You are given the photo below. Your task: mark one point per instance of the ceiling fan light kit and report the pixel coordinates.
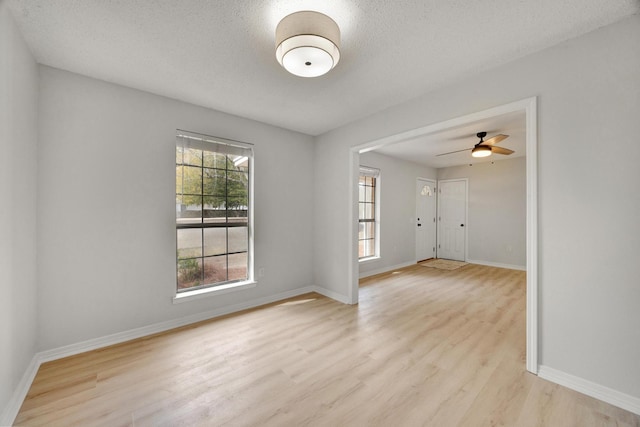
(308, 43)
(481, 151)
(485, 148)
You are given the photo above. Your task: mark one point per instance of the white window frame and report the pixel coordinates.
(227, 146)
(374, 173)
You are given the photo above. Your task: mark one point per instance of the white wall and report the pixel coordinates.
(397, 210)
(18, 170)
(588, 152)
(497, 214)
(106, 209)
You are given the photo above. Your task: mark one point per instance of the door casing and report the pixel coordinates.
(426, 226)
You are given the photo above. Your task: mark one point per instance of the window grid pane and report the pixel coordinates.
(366, 214)
(189, 273)
(212, 203)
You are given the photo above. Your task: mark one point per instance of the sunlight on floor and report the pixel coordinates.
(298, 302)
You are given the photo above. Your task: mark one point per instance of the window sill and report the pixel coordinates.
(208, 292)
(368, 259)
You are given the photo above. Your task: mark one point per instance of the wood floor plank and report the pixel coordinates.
(423, 347)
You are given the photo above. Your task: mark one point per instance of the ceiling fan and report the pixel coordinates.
(485, 148)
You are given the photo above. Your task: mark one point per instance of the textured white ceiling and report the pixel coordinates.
(220, 54)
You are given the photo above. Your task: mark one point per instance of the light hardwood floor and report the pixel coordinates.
(423, 347)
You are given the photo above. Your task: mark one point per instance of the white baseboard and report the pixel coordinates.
(600, 392)
(498, 264)
(614, 397)
(364, 274)
(11, 410)
(117, 338)
(331, 294)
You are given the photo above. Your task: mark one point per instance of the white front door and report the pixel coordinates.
(452, 219)
(425, 219)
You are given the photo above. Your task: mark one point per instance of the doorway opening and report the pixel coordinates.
(426, 214)
(529, 108)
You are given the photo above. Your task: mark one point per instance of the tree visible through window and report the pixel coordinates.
(212, 211)
(367, 221)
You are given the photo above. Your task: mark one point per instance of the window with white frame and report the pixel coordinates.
(213, 211)
(368, 213)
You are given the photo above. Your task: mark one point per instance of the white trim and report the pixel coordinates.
(435, 213)
(10, 411)
(117, 338)
(353, 267)
(531, 112)
(246, 150)
(364, 274)
(332, 294)
(217, 290)
(378, 215)
(251, 221)
(529, 105)
(369, 171)
(600, 392)
(447, 124)
(498, 264)
(375, 173)
(212, 141)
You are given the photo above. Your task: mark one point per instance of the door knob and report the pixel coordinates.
(461, 225)
(419, 225)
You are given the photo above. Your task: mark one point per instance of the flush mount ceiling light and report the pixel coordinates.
(308, 43)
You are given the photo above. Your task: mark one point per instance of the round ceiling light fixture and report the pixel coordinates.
(308, 43)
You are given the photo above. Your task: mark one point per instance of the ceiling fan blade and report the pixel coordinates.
(495, 139)
(500, 150)
(451, 152)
